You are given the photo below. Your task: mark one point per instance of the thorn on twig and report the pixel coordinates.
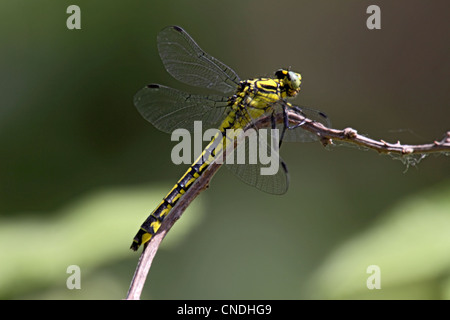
(407, 150)
(326, 141)
(350, 133)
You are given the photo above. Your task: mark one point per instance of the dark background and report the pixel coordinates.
(80, 169)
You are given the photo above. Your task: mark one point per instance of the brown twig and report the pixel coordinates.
(324, 134)
(150, 248)
(349, 135)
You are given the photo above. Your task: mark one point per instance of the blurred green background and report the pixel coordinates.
(80, 169)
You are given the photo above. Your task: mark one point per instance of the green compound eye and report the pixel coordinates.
(295, 79)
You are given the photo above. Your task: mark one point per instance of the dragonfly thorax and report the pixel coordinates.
(255, 97)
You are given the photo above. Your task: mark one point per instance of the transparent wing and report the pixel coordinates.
(276, 177)
(299, 134)
(169, 109)
(263, 167)
(188, 63)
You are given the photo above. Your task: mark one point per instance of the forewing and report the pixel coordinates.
(188, 63)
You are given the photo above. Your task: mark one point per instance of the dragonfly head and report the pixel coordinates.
(291, 81)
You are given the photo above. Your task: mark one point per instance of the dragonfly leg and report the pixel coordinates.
(299, 110)
(285, 126)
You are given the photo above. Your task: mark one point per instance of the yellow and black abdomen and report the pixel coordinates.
(153, 222)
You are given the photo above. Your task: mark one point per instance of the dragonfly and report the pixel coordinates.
(239, 104)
